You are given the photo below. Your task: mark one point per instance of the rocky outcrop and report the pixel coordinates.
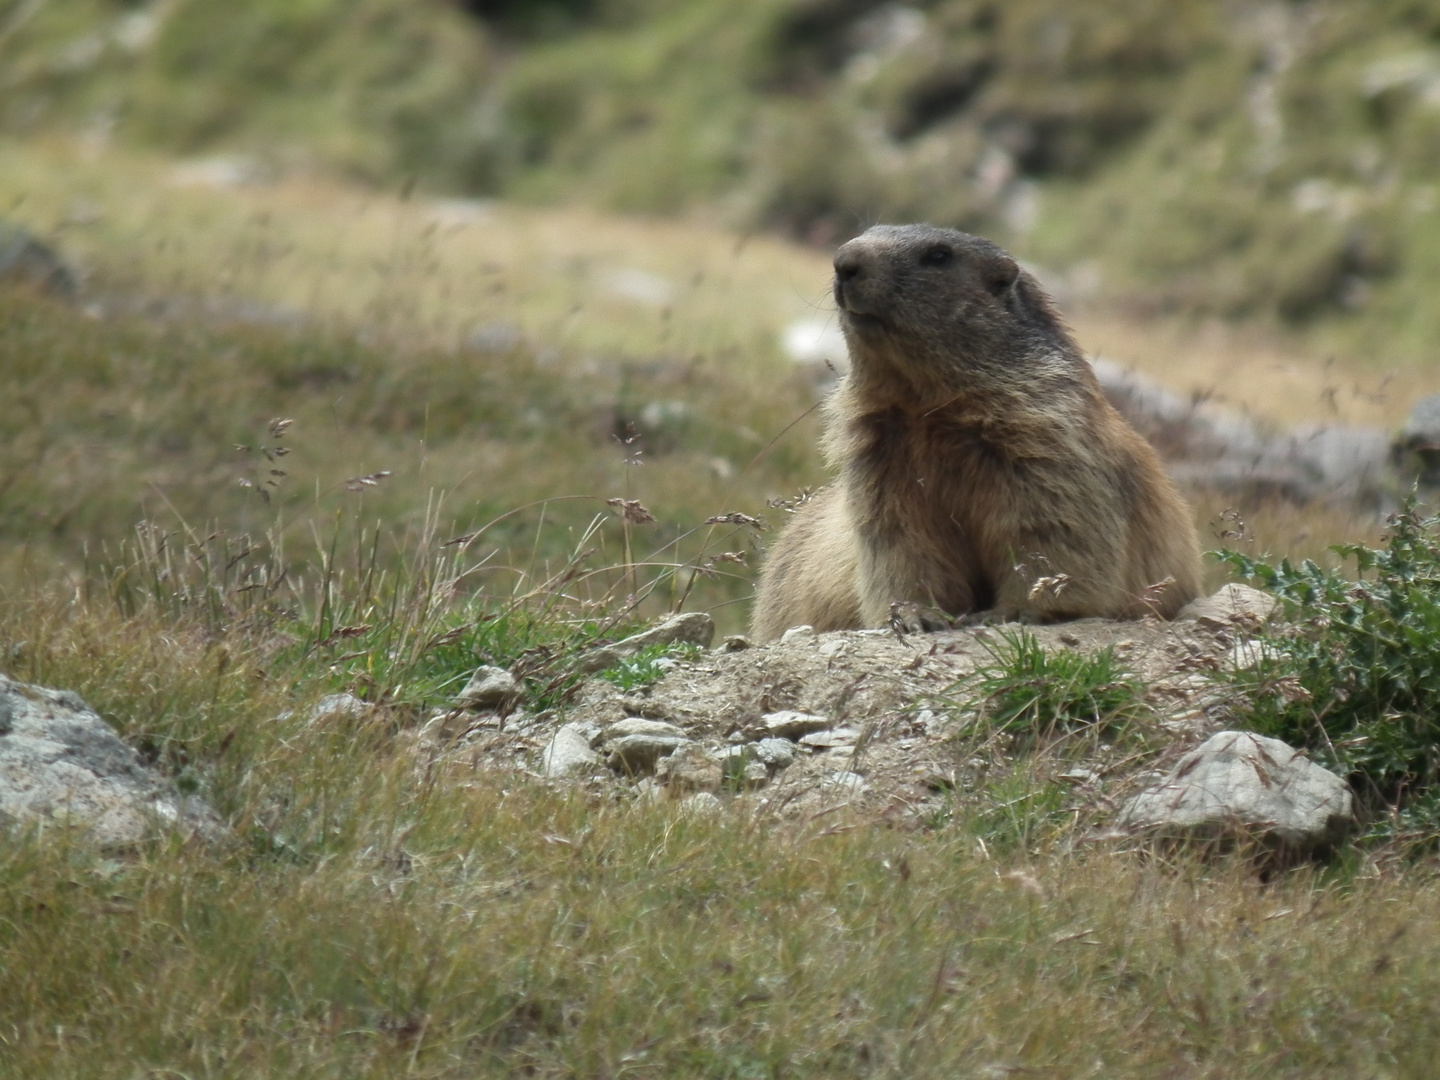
(1205, 445)
(1239, 785)
(62, 766)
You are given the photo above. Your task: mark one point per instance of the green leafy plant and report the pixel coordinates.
(645, 667)
(1354, 674)
(1027, 691)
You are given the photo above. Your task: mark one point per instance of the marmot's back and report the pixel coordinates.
(981, 468)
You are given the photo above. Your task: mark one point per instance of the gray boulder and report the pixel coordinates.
(1241, 785)
(1209, 446)
(61, 765)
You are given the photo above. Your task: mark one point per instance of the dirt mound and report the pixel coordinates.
(886, 723)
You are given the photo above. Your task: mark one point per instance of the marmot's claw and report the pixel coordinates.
(911, 618)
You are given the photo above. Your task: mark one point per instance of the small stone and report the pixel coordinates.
(1080, 776)
(829, 740)
(789, 724)
(836, 647)
(489, 688)
(797, 634)
(567, 752)
(689, 768)
(639, 753)
(774, 753)
(734, 643)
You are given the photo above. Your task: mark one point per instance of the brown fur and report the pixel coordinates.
(976, 456)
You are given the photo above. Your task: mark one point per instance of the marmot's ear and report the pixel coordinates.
(1001, 274)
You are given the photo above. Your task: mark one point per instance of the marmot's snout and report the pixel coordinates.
(857, 282)
(848, 268)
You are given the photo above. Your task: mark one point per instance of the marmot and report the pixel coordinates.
(982, 472)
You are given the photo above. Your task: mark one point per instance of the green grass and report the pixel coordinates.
(1028, 692)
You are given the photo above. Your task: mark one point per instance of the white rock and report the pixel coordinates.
(797, 634)
(567, 752)
(754, 775)
(1248, 654)
(689, 628)
(1239, 782)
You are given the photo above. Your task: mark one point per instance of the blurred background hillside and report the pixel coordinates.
(1256, 159)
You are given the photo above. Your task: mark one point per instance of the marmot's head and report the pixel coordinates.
(928, 305)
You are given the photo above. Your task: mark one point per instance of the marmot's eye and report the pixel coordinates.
(938, 255)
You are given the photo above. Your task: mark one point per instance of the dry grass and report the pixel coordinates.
(371, 916)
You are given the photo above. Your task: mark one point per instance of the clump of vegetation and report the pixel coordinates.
(646, 667)
(1354, 675)
(1026, 691)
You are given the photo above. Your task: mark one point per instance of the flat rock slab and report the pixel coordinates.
(62, 765)
(1240, 783)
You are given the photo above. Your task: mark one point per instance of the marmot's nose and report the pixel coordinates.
(847, 264)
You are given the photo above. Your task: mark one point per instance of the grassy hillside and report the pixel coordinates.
(1258, 160)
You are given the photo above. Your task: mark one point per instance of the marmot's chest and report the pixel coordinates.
(935, 476)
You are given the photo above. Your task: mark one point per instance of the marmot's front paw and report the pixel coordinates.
(912, 618)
